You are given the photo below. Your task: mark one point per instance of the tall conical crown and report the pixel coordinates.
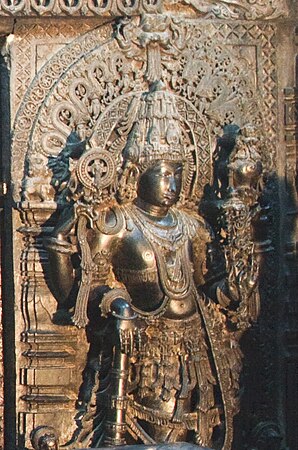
(157, 132)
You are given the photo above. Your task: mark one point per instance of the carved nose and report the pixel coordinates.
(173, 187)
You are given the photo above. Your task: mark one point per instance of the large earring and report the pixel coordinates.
(127, 190)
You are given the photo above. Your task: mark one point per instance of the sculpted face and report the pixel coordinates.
(160, 184)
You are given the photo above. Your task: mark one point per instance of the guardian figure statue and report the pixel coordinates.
(163, 305)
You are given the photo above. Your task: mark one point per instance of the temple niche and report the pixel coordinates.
(149, 231)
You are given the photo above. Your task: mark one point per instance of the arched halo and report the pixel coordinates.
(126, 122)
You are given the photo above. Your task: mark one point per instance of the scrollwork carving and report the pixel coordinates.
(80, 97)
(241, 9)
(223, 9)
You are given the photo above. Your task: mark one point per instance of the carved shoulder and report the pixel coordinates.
(110, 221)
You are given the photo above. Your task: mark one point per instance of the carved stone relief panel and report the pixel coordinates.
(48, 358)
(244, 9)
(69, 74)
(222, 70)
(36, 43)
(223, 9)
(223, 91)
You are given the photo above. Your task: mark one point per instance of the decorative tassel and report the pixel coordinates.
(80, 318)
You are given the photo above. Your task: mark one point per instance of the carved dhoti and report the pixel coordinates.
(172, 383)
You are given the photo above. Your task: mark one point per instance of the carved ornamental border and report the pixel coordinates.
(223, 9)
(261, 35)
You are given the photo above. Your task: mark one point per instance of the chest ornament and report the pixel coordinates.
(170, 246)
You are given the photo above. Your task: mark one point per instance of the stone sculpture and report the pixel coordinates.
(163, 303)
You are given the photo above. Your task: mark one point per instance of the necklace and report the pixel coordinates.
(168, 236)
(170, 245)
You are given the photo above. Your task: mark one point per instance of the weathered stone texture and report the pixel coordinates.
(67, 62)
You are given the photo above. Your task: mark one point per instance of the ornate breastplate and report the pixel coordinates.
(170, 246)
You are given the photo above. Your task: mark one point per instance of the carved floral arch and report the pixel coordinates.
(75, 87)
